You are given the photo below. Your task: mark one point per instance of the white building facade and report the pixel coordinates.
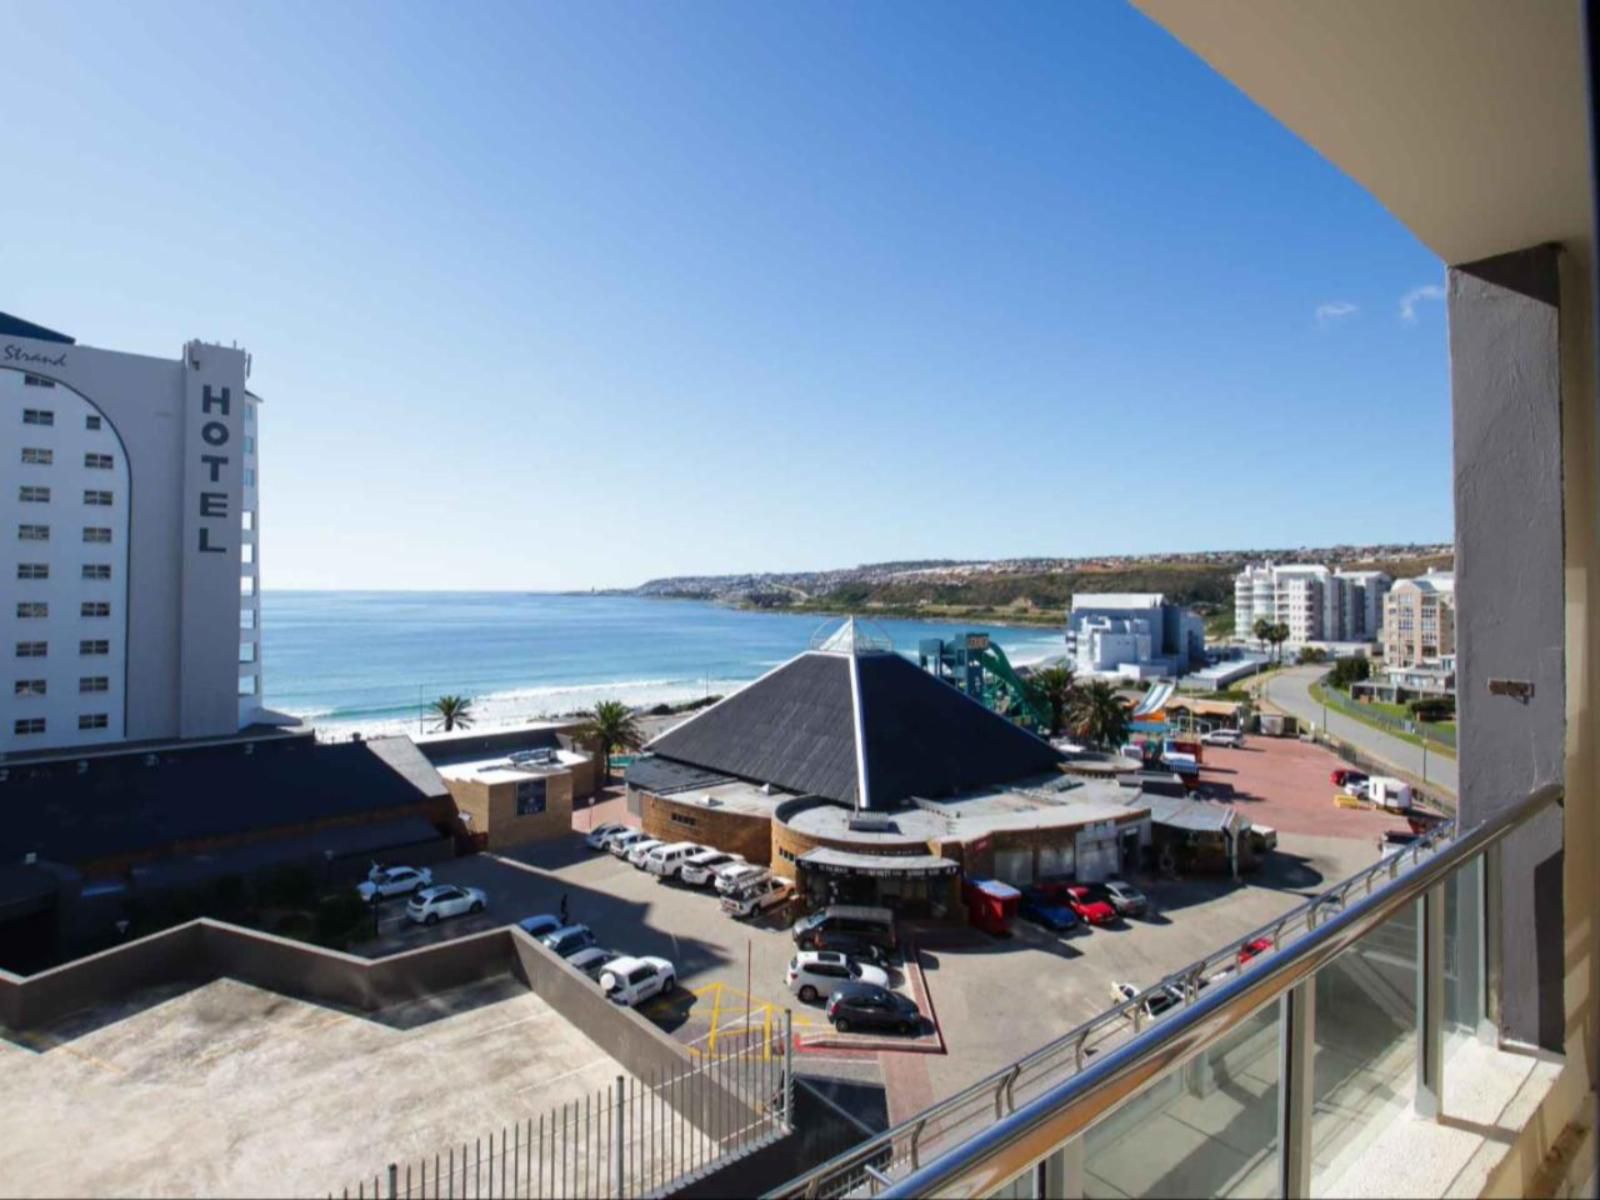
(1317, 604)
(1137, 635)
(129, 530)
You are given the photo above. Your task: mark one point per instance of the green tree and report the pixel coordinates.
(1053, 689)
(1263, 632)
(455, 712)
(1098, 715)
(608, 726)
(1278, 635)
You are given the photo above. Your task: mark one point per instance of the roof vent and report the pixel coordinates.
(30, 858)
(249, 748)
(712, 801)
(869, 822)
(766, 789)
(83, 766)
(151, 760)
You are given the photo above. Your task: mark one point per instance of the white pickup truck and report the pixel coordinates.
(631, 981)
(764, 893)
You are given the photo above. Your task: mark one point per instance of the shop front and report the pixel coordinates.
(912, 885)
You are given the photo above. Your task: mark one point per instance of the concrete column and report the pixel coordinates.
(1506, 386)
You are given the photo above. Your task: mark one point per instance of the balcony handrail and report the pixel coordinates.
(991, 1158)
(982, 1096)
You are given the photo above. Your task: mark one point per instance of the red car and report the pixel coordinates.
(1252, 948)
(1343, 775)
(1090, 911)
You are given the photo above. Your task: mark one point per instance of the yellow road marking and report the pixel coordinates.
(716, 1013)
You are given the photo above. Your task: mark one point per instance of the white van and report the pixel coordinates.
(665, 860)
(1392, 794)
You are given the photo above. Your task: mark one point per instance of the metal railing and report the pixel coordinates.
(643, 1135)
(1031, 1110)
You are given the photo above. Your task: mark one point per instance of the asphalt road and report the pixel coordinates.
(1290, 691)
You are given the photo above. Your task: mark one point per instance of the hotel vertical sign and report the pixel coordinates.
(213, 439)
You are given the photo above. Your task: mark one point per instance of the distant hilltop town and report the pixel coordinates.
(1029, 589)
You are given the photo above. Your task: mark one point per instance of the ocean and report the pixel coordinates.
(370, 661)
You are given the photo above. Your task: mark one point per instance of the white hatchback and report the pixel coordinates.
(382, 882)
(701, 869)
(431, 905)
(815, 974)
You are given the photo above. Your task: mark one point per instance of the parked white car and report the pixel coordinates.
(700, 869)
(665, 860)
(636, 852)
(601, 834)
(433, 904)
(383, 882)
(620, 843)
(1222, 737)
(632, 981)
(813, 974)
(737, 875)
(767, 892)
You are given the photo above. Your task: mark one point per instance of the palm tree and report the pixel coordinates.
(1263, 631)
(1053, 688)
(1278, 635)
(610, 725)
(454, 711)
(1098, 714)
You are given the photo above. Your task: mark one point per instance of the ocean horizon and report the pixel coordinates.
(371, 661)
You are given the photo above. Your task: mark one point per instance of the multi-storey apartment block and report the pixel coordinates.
(1316, 603)
(1419, 620)
(128, 536)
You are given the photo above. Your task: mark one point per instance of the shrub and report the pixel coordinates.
(341, 918)
(1432, 708)
(1349, 670)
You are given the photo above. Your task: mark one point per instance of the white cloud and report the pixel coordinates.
(1409, 302)
(1335, 310)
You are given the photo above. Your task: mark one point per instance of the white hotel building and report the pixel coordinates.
(129, 598)
(1316, 603)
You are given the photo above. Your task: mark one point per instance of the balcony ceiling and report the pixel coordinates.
(1465, 118)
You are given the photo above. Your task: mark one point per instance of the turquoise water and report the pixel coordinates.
(370, 660)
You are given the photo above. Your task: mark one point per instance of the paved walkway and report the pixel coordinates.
(1290, 690)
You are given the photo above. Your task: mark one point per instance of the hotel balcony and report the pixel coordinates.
(1431, 1026)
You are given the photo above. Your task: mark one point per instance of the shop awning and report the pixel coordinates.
(846, 862)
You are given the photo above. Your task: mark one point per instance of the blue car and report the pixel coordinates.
(1047, 912)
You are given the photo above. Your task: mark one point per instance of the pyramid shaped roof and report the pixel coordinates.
(859, 725)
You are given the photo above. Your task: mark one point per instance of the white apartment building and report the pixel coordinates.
(1316, 603)
(128, 543)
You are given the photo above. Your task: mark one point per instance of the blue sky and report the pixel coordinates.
(558, 295)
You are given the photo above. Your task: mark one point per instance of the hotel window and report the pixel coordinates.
(91, 422)
(91, 496)
(28, 725)
(32, 649)
(95, 608)
(530, 797)
(38, 456)
(97, 462)
(94, 646)
(97, 570)
(30, 687)
(96, 533)
(33, 533)
(32, 608)
(33, 495)
(93, 721)
(94, 683)
(38, 416)
(33, 570)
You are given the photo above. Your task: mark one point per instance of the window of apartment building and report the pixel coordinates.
(92, 496)
(30, 687)
(250, 476)
(249, 444)
(96, 533)
(97, 570)
(680, 819)
(93, 721)
(530, 797)
(33, 533)
(247, 519)
(38, 416)
(94, 683)
(31, 609)
(95, 608)
(91, 422)
(93, 646)
(38, 456)
(28, 725)
(33, 495)
(32, 649)
(33, 570)
(98, 462)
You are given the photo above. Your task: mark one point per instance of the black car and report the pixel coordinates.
(851, 946)
(868, 1006)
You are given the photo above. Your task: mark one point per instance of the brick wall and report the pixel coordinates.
(493, 809)
(749, 834)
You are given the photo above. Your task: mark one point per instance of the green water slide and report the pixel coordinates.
(1007, 693)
